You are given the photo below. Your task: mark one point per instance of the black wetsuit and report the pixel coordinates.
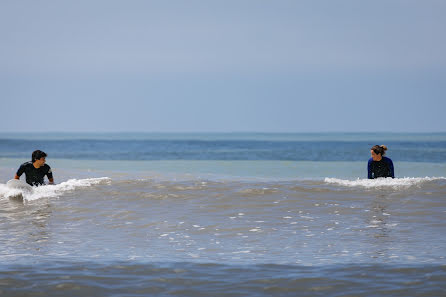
(383, 168)
(34, 176)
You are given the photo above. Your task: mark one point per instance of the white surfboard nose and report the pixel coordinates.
(20, 185)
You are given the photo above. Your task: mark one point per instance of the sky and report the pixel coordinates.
(223, 66)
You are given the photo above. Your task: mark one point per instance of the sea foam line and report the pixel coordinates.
(47, 191)
(383, 182)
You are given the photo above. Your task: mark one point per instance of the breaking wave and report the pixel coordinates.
(384, 182)
(51, 190)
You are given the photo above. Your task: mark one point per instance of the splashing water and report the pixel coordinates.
(47, 191)
(383, 182)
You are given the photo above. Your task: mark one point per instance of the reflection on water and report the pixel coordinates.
(377, 227)
(24, 227)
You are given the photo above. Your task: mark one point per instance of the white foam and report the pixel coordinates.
(383, 182)
(52, 190)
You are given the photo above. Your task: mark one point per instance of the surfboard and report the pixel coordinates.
(19, 185)
(22, 188)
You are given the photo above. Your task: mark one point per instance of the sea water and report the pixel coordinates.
(224, 215)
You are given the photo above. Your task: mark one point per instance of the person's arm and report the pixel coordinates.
(19, 172)
(369, 169)
(50, 176)
(392, 171)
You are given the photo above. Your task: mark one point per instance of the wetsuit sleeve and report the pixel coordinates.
(21, 170)
(392, 172)
(49, 174)
(369, 169)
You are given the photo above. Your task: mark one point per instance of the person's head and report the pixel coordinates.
(38, 156)
(377, 152)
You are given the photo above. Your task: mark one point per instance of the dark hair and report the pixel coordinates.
(37, 155)
(379, 149)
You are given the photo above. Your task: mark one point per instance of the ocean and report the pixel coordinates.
(224, 214)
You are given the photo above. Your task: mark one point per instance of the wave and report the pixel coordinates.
(191, 279)
(384, 182)
(47, 191)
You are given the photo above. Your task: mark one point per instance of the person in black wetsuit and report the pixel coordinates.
(378, 165)
(36, 169)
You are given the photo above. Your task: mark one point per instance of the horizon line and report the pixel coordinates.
(221, 132)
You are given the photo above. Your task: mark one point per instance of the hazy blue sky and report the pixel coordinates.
(285, 66)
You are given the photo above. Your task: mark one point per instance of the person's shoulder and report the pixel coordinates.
(387, 160)
(370, 160)
(26, 164)
(46, 167)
